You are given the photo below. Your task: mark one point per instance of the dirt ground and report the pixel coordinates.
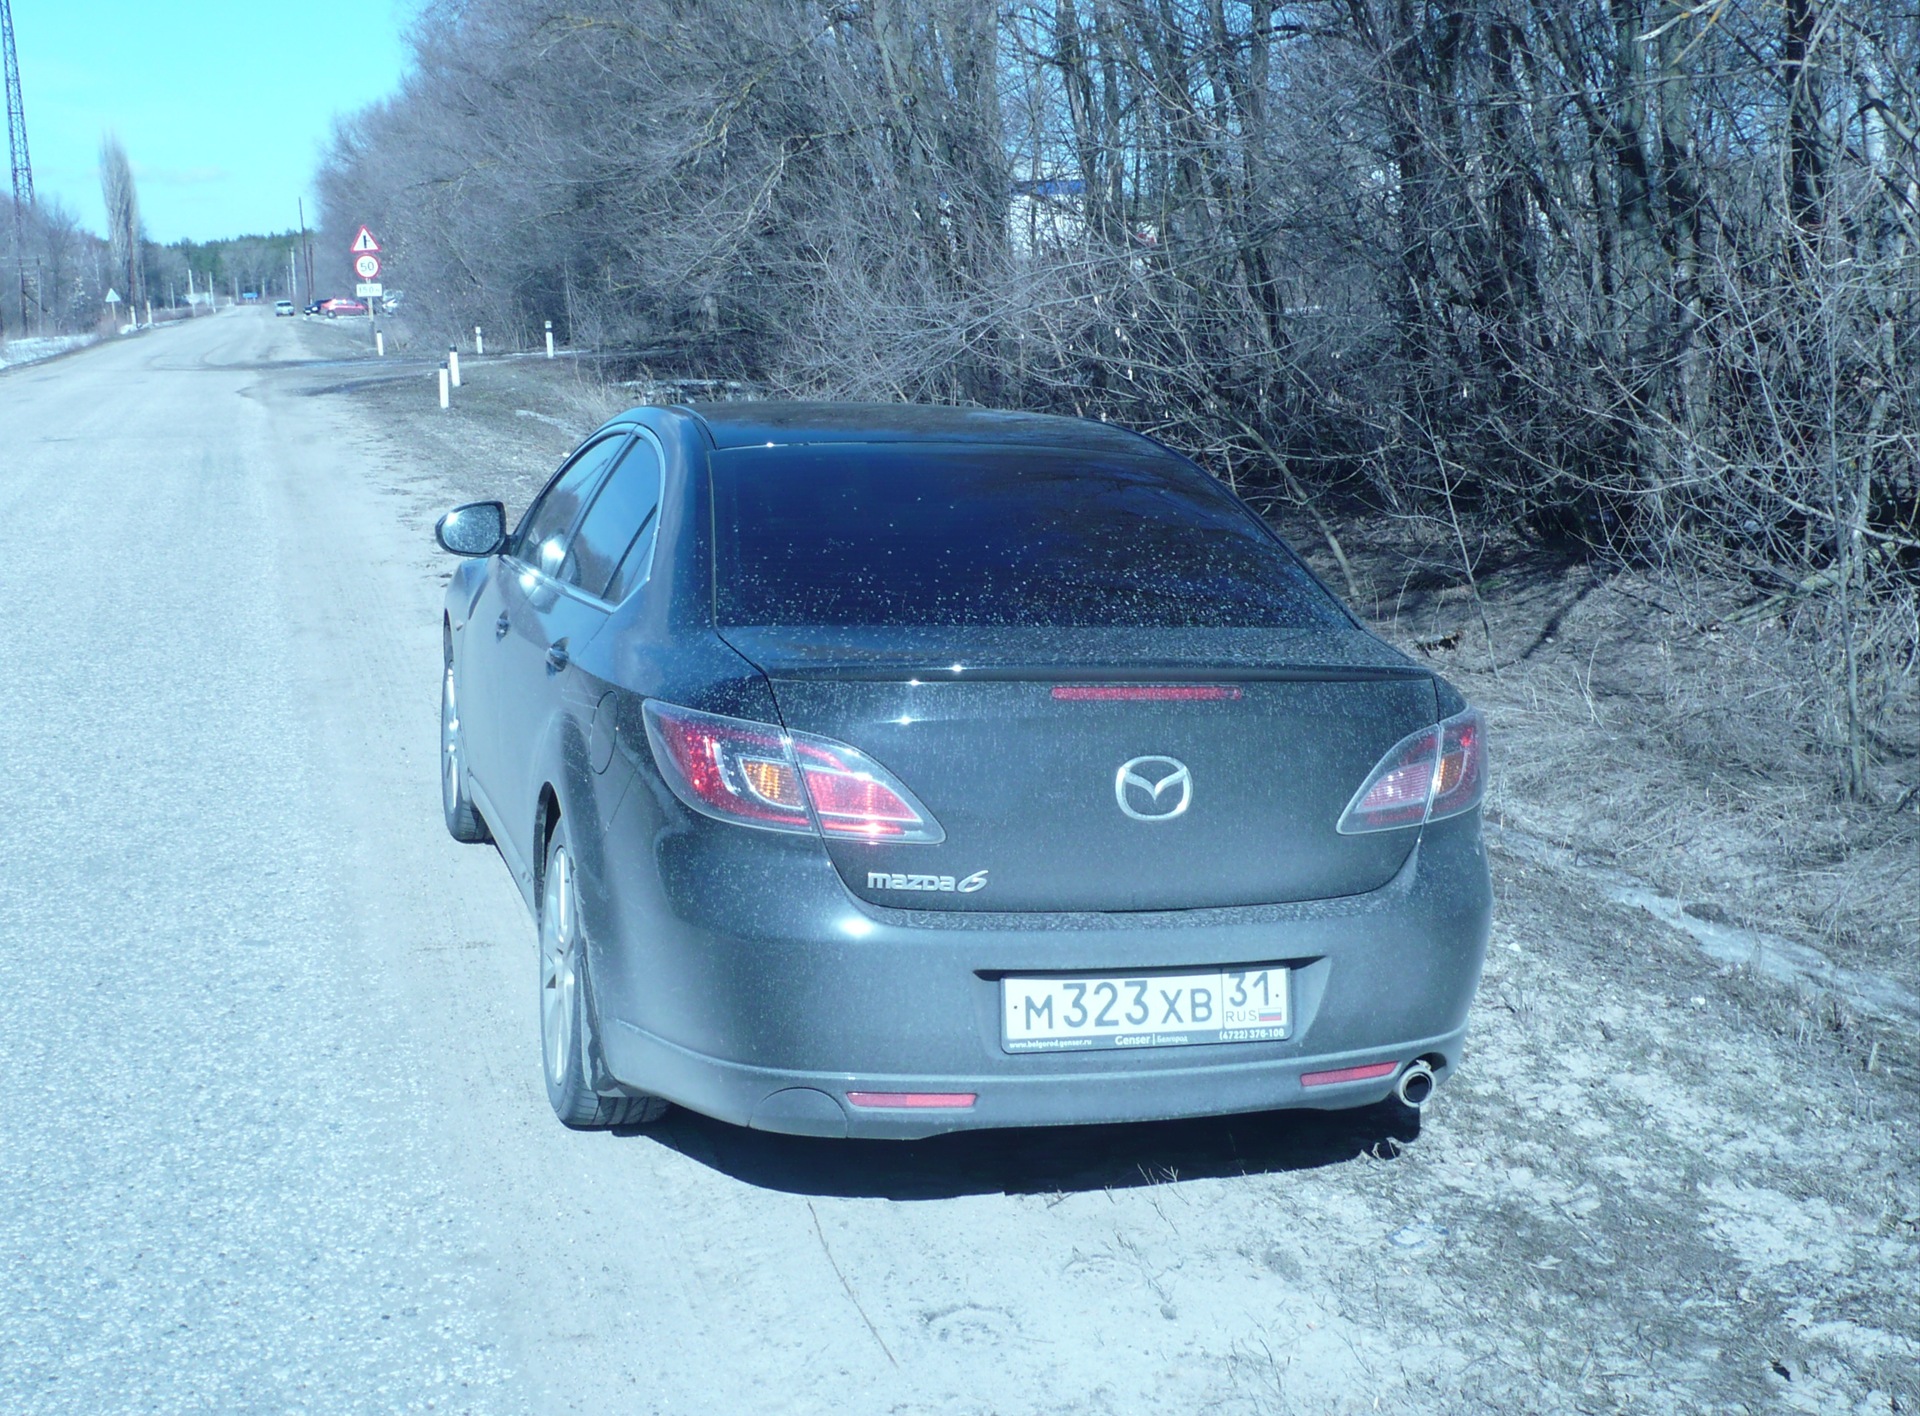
(1664, 1180)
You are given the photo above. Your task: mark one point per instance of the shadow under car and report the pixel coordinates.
(1039, 1159)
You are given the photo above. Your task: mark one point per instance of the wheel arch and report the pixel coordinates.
(546, 819)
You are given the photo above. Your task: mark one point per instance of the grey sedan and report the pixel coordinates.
(888, 770)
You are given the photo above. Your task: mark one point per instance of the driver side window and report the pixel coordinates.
(541, 541)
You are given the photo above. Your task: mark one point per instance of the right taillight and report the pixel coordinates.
(757, 774)
(1435, 773)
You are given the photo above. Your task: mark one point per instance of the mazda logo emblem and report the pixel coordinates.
(1153, 788)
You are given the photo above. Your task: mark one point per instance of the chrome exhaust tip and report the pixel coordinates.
(1415, 1087)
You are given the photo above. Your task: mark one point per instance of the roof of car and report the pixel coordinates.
(756, 424)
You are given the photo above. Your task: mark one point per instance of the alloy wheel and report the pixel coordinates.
(559, 974)
(449, 745)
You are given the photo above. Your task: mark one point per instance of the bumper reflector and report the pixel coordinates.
(949, 1101)
(1350, 1074)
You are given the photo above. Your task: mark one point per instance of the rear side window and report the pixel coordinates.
(866, 534)
(541, 540)
(623, 513)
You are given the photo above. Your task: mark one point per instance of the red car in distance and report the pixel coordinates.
(335, 308)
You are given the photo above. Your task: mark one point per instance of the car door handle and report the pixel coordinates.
(502, 625)
(557, 656)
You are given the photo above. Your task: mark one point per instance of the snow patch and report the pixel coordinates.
(1771, 955)
(32, 350)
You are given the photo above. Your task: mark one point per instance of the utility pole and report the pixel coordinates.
(17, 151)
(311, 297)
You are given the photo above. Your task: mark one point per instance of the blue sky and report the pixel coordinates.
(224, 105)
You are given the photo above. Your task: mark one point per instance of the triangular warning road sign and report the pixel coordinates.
(364, 243)
(113, 297)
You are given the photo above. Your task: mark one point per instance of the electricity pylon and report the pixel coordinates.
(17, 151)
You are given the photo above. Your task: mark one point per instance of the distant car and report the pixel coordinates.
(312, 307)
(880, 771)
(333, 309)
(282, 307)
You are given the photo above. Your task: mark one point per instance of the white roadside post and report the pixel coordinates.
(479, 342)
(549, 339)
(453, 366)
(379, 345)
(445, 401)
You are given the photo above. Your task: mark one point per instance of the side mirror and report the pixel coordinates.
(477, 529)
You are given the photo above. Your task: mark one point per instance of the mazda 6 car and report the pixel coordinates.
(882, 771)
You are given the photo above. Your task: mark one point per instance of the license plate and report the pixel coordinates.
(1144, 1010)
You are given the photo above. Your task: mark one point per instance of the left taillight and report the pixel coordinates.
(1430, 775)
(758, 774)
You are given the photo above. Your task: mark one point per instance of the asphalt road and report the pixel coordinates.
(273, 1138)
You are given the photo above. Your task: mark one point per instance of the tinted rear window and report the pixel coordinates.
(864, 534)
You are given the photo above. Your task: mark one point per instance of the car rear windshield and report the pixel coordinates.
(873, 534)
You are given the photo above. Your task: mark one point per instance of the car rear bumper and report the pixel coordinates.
(759, 991)
(816, 1103)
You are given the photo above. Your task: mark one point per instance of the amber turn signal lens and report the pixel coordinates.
(771, 781)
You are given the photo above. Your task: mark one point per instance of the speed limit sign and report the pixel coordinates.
(367, 267)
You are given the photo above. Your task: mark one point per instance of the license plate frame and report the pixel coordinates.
(1072, 1005)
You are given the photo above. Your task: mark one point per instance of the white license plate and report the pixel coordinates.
(1144, 1010)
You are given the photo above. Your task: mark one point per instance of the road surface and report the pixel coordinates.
(273, 1137)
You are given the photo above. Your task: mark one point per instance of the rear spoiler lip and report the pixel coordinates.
(1096, 673)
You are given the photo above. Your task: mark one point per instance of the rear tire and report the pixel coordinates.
(456, 801)
(567, 1037)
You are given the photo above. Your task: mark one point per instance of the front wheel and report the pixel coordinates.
(566, 1022)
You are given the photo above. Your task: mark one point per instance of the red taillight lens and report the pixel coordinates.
(856, 804)
(728, 768)
(1462, 779)
(1437, 772)
(754, 774)
(1400, 788)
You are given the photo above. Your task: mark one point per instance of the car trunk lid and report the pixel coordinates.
(1103, 769)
